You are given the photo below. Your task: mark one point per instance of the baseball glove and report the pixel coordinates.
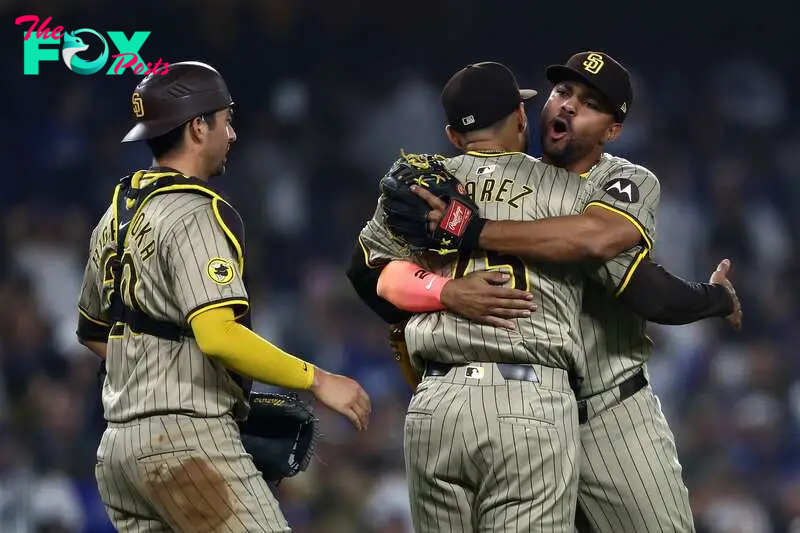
(406, 213)
(280, 433)
(397, 342)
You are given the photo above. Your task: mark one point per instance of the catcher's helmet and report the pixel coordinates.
(162, 102)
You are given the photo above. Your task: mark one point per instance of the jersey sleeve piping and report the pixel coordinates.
(629, 273)
(638, 225)
(225, 229)
(235, 302)
(231, 237)
(366, 254)
(92, 319)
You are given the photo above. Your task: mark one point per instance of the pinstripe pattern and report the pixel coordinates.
(97, 284)
(496, 455)
(492, 455)
(148, 480)
(170, 472)
(615, 339)
(377, 242)
(147, 374)
(517, 187)
(630, 480)
(644, 209)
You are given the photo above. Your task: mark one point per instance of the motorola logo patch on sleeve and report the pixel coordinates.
(623, 190)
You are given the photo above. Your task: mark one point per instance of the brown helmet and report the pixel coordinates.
(162, 102)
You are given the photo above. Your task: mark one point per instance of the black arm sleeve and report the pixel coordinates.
(658, 296)
(365, 281)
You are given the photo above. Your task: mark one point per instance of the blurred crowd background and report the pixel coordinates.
(327, 92)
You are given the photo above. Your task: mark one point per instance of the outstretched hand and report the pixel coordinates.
(720, 277)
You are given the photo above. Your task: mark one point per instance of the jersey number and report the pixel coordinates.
(495, 261)
(127, 283)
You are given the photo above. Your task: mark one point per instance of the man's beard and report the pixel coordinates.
(561, 158)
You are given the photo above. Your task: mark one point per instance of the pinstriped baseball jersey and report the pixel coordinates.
(378, 243)
(614, 338)
(628, 189)
(98, 282)
(180, 259)
(510, 186)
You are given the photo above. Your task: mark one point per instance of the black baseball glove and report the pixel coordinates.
(280, 433)
(406, 213)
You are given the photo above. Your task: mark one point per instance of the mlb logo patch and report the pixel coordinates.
(474, 371)
(488, 169)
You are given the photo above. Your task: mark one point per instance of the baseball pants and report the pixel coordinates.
(181, 473)
(630, 477)
(485, 454)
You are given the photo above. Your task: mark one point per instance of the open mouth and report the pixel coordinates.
(558, 128)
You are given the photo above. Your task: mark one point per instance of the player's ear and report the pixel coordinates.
(522, 118)
(456, 139)
(613, 132)
(198, 129)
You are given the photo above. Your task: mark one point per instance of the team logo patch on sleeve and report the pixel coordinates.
(221, 271)
(623, 190)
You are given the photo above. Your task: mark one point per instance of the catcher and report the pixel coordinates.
(164, 303)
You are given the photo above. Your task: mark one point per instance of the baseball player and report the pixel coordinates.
(630, 476)
(641, 489)
(491, 432)
(164, 303)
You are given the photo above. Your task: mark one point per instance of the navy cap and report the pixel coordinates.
(481, 94)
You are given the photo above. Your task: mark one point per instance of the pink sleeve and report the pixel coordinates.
(411, 288)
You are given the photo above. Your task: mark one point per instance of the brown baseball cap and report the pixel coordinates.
(162, 102)
(602, 72)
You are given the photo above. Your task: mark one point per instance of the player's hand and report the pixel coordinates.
(720, 277)
(436, 204)
(477, 297)
(343, 395)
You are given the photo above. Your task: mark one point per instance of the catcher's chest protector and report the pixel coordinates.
(128, 203)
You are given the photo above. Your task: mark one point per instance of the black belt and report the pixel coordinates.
(627, 388)
(507, 370)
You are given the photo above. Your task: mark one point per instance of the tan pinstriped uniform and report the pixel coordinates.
(171, 409)
(483, 453)
(631, 478)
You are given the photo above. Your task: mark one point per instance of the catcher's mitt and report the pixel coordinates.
(406, 213)
(280, 433)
